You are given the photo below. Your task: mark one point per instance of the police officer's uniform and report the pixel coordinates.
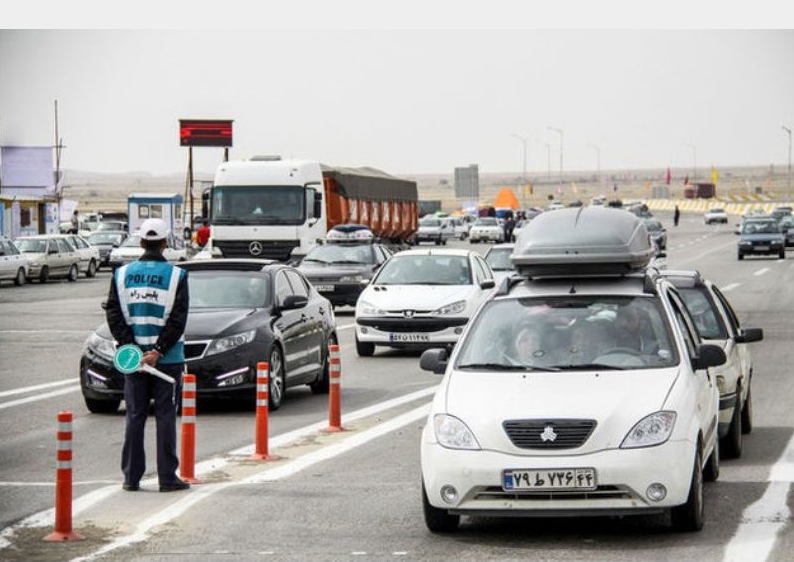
(148, 306)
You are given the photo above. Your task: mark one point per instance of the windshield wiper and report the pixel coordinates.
(315, 259)
(590, 367)
(349, 262)
(505, 367)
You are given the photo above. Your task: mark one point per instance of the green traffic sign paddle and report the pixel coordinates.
(127, 360)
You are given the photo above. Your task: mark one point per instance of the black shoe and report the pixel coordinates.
(174, 486)
(131, 487)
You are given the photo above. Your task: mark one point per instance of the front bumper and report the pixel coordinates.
(341, 294)
(485, 235)
(762, 249)
(622, 478)
(410, 332)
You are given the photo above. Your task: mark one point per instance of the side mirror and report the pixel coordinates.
(488, 284)
(709, 355)
(749, 335)
(291, 302)
(434, 360)
(115, 245)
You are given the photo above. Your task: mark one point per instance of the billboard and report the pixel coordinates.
(27, 170)
(205, 132)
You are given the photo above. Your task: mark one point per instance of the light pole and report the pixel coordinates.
(559, 131)
(548, 157)
(788, 181)
(694, 161)
(598, 159)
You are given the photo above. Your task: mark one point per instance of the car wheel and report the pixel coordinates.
(364, 349)
(72, 273)
(20, 278)
(102, 406)
(747, 413)
(444, 242)
(689, 516)
(277, 379)
(321, 385)
(44, 275)
(782, 255)
(438, 520)
(91, 269)
(741, 257)
(711, 472)
(731, 445)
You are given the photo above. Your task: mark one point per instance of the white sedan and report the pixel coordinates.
(421, 298)
(486, 229)
(715, 214)
(131, 250)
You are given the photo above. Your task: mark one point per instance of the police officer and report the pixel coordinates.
(147, 306)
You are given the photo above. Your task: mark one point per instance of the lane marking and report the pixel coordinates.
(29, 399)
(730, 287)
(26, 389)
(763, 520)
(761, 271)
(706, 253)
(198, 494)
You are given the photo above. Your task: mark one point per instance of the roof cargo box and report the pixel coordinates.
(583, 241)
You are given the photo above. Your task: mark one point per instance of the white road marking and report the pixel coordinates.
(26, 389)
(29, 399)
(761, 521)
(345, 327)
(52, 484)
(730, 287)
(181, 506)
(761, 271)
(700, 256)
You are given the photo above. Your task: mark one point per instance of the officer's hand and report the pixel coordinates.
(150, 358)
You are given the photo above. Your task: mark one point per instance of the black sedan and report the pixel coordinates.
(241, 312)
(106, 240)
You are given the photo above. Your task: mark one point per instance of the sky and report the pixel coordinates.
(408, 101)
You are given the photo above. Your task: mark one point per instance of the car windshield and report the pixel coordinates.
(430, 222)
(132, 242)
(424, 269)
(760, 227)
(227, 289)
(341, 254)
(704, 313)
(653, 226)
(258, 205)
(32, 245)
(569, 333)
(499, 259)
(486, 222)
(104, 238)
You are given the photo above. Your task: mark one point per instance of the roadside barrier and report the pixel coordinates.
(187, 461)
(63, 482)
(262, 412)
(334, 389)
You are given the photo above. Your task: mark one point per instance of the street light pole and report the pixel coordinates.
(548, 157)
(558, 131)
(788, 181)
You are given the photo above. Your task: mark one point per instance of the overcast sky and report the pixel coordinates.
(404, 101)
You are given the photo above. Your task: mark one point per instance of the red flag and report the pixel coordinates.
(686, 180)
(667, 177)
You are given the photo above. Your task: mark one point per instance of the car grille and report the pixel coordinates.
(411, 324)
(271, 249)
(568, 434)
(601, 493)
(195, 350)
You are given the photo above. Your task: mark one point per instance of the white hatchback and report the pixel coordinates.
(486, 229)
(421, 298)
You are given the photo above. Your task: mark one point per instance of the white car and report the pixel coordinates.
(498, 259)
(434, 229)
(486, 229)
(130, 250)
(421, 298)
(716, 214)
(49, 256)
(582, 393)
(717, 323)
(89, 255)
(13, 264)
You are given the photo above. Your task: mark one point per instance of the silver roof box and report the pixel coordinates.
(583, 241)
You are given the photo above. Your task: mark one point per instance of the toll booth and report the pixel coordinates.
(165, 206)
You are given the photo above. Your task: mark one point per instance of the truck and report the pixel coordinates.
(278, 209)
(700, 190)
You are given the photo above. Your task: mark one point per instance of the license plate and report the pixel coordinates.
(764, 248)
(325, 288)
(409, 337)
(550, 479)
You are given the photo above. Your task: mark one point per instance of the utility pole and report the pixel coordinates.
(788, 181)
(524, 173)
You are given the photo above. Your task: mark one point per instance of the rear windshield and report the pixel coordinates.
(105, 238)
(704, 312)
(341, 254)
(499, 259)
(570, 333)
(430, 222)
(228, 289)
(34, 246)
(486, 222)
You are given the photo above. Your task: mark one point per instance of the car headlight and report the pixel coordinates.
(351, 279)
(745, 243)
(453, 433)
(454, 308)
(650, 430)
(101, 346)
(368, 309)
(230, 342)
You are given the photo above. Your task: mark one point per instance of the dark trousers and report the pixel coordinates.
(139, 389)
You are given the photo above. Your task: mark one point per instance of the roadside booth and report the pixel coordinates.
(165, 206)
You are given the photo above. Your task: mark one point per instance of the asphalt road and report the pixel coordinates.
(356, 495)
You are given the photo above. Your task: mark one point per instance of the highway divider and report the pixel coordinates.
(63, 483)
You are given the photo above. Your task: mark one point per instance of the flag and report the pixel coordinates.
(714, 175)
(686, 180)
(667, 177)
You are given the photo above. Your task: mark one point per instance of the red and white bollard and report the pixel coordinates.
(261, 452)
(334, 389)
(63, 483)
(187, 461)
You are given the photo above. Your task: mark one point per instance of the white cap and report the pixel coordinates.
(153, 229)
